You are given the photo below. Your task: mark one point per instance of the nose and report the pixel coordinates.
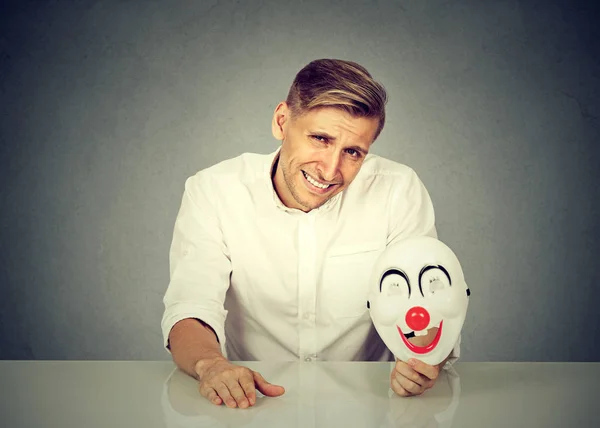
(417, 318)
(329, 165)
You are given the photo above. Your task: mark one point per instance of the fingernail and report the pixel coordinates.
(412, 362)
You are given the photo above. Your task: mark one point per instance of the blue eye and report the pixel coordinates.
(354, 153)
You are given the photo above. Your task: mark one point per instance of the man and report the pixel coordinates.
(272, 254)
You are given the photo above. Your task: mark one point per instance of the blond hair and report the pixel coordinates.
(341, 84)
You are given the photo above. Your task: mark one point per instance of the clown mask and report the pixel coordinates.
(417, 289)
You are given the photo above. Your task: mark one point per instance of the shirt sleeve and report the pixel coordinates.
(199, 261)
(412, 210)
(413, 215)
(454, 354)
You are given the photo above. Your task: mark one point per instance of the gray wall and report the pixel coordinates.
(106, 109)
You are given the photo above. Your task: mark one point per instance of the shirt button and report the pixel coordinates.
(308, 315)
(308, 359)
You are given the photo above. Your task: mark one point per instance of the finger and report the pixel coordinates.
(409, 385)
(209, 393)
(213, 397)
(397, 388)
(430, 372)
(237, 393)
(225, 395)
(247, 384)
(406, 371)
(400, 364)
(267, 388)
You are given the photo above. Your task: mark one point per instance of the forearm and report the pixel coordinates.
(192, 342)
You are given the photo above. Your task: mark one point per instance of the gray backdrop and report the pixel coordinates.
(107, 108)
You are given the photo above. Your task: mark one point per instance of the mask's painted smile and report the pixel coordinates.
(421, 349)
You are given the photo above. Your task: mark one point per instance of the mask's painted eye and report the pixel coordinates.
(434, 280)
(395, 285)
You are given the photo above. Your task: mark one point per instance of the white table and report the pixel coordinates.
(323, 394)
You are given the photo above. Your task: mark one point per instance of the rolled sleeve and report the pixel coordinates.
(200, 265)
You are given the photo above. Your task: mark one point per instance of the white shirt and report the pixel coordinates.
(276, 283)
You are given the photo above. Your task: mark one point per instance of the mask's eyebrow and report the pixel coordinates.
(429, 267)
(394, 272)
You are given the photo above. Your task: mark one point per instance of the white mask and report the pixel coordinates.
(418, 284)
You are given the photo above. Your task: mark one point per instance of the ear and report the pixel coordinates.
(280, 117)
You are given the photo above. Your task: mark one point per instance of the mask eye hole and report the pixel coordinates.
(395, 285)
(433, 281)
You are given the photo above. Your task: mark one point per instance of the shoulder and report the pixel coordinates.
(229, 178)
(380, 182)
(244, 169)
(385, 172)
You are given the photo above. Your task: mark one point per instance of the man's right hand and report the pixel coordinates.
(224, 382)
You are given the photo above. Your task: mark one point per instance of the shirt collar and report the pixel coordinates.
(267, 174)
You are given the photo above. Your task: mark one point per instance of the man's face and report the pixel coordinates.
(321, 153)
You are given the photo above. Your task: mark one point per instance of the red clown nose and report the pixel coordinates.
(417, 318)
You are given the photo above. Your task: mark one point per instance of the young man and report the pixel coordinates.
(272, 254)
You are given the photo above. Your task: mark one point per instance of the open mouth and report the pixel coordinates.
(421, 349)
(316, 186)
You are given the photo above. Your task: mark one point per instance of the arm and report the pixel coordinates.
(193, 343)
(200, 271)
(413, 215)
(196, 351)
(412, 212)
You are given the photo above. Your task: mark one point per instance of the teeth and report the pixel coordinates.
(315, 183)
(421, 333)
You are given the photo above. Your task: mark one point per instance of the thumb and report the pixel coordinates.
(267, 388)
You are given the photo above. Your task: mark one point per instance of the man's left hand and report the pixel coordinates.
(413, 377)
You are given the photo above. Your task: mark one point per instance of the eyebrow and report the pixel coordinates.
(396, 272)
(332, 138)
(429, 267)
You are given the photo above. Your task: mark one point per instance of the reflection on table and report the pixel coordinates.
(318, 395)
(151, 394)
